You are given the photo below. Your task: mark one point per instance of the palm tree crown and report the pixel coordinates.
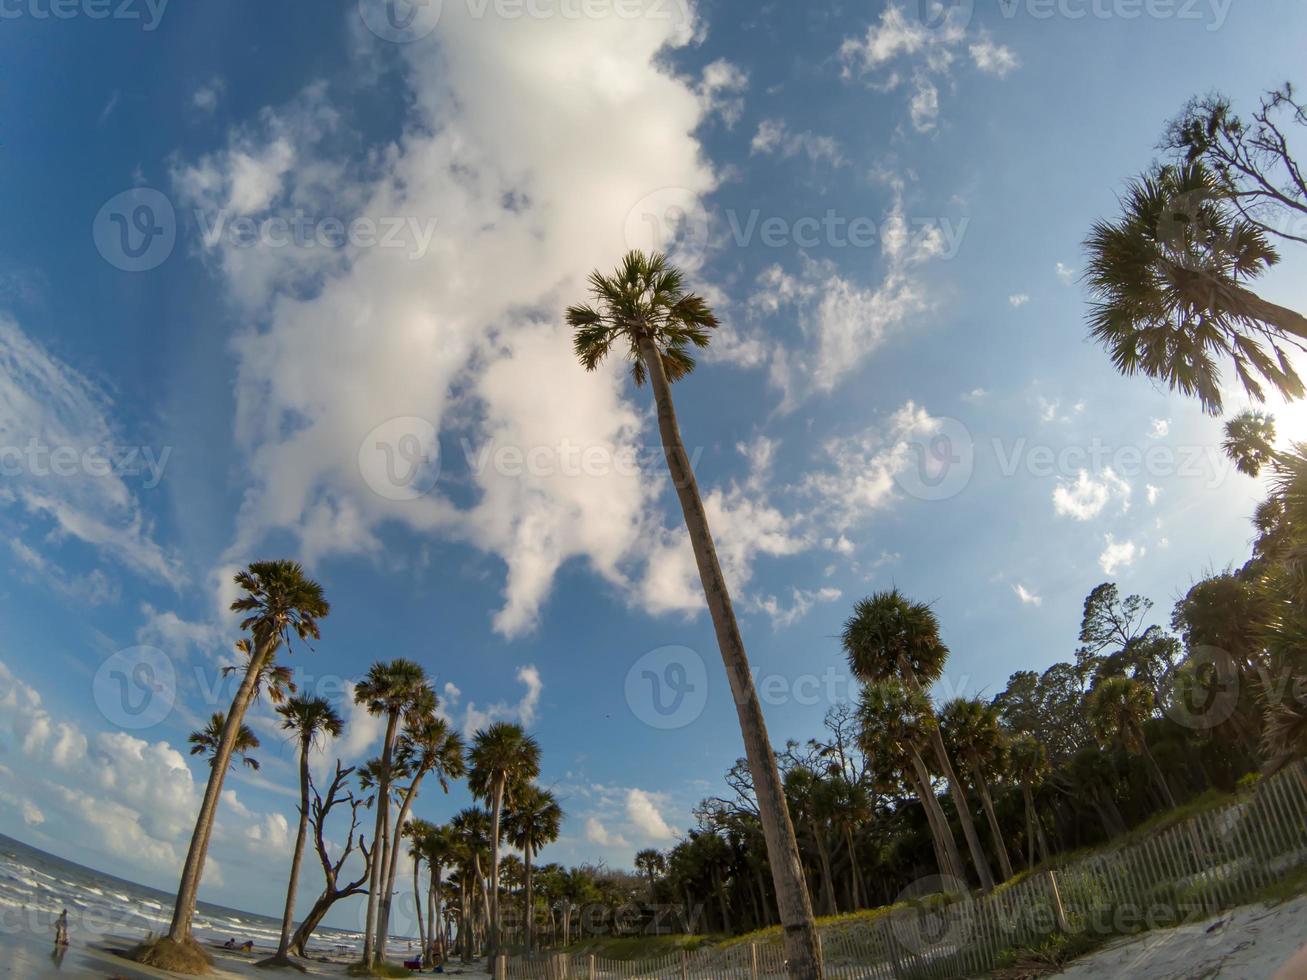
(644, 298)
(502, 753)
(1170, 303)
(280, 600)
(309, 717)
(888, 632)
(204, 741)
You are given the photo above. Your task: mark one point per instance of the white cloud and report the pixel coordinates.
(802, 601)
(1118, 555)
(207, 96)
(1086, 496)
(523, 712)
(993, 59)
(644, 817)
(1153, 493)
(1065, 273)
(774, 138)
(901, 36)
(1027, 597)
(519, 142)
(1161, 428)
(66, 473)
(722, 89)
(1019, 299)
(597, 833)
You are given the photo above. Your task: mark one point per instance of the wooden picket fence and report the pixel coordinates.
(1201, 866)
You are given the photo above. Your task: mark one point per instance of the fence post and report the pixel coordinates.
(501, 967)
(685, 965)
(1059, 912)
(593, 975)
(753, 961)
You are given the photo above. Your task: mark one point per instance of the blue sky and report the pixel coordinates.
(885, 204)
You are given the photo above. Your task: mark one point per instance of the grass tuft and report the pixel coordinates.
(189, 957)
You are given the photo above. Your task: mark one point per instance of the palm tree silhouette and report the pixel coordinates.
(533, 820)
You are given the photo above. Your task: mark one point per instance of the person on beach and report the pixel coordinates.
(61, 929)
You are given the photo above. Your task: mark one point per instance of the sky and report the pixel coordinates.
(287, 280)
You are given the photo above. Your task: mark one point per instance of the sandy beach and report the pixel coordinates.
(1251, 943)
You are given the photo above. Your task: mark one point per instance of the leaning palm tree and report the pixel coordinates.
(280, 602)
(1117, 709)
(894, 721)
(970, 728)
(1170, 301)
(891, 637)
(534, 820)
(644, 310)
(428, 745)
(397, 689)
(308, 719)
(205, 741)
(501, 760)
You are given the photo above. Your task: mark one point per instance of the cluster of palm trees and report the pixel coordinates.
(1144, 719)
(281, 603)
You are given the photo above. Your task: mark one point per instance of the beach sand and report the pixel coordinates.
(1252, 943)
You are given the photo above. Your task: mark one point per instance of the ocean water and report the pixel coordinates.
(36, 886)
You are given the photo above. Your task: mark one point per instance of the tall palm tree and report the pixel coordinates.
(1029, 767)
(308, 719)
(1117, 709)
(279, 602)
(971, 727)
(890, 636)
(205, 741)
(418, 832)
(396, 689)
(471, 831)
(501, 759)
(895, 720)
(643, 308)
(534, 820)
(1170, 301)
(427, 745)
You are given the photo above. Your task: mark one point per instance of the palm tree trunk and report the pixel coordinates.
(288, 916)
(1233, 297)
(955, 790)
(379, 840)
(434, 938)
(392, 867)
(1158, 775)
(855, 878)
(417, 904)
(188, 889)
(828, 879)
(946, 849)
(530, 901)
(996, 832)
(802, 952)
(497, 805)
(1037, 824)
